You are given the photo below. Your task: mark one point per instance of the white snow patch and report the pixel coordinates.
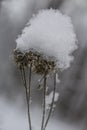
(57, 78)
(49, 100)
(51, 33)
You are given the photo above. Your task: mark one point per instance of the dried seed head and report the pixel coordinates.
(40, 63)
(20, 59)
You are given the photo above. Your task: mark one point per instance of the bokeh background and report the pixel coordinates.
(71, 109)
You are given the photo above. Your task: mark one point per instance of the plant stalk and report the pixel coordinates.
(29, 96)
(27, 93)
(51, 108)
(44, 103)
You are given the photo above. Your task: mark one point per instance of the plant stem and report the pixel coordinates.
(22, 75)
(27, 94)
(51, 108)
(41, 79)
(44, 103)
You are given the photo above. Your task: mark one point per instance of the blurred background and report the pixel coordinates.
(71, 109)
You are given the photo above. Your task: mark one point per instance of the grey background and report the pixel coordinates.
(71, 110)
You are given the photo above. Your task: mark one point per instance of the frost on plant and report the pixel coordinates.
(45, 47)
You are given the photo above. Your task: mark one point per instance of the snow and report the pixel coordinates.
(49, 99)
(51, 33)
(57, 78)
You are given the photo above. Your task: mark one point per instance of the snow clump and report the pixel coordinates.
(50, 33)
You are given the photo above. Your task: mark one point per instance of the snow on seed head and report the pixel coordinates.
(50, 33)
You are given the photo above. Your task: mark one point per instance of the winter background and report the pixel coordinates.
(71, 110)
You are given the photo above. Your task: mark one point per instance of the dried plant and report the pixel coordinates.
(39, 64)
(45, 45)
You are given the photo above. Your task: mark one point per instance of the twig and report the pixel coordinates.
(51, 108)
(22, 75)
(41, 79)
(27, 94)
(44, 102)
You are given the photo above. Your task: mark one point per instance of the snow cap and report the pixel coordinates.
(51, 33)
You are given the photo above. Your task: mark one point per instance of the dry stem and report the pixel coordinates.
(27, 93)
(51, 108)
(44, 102)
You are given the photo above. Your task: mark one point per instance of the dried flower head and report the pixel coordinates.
(39, 63)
